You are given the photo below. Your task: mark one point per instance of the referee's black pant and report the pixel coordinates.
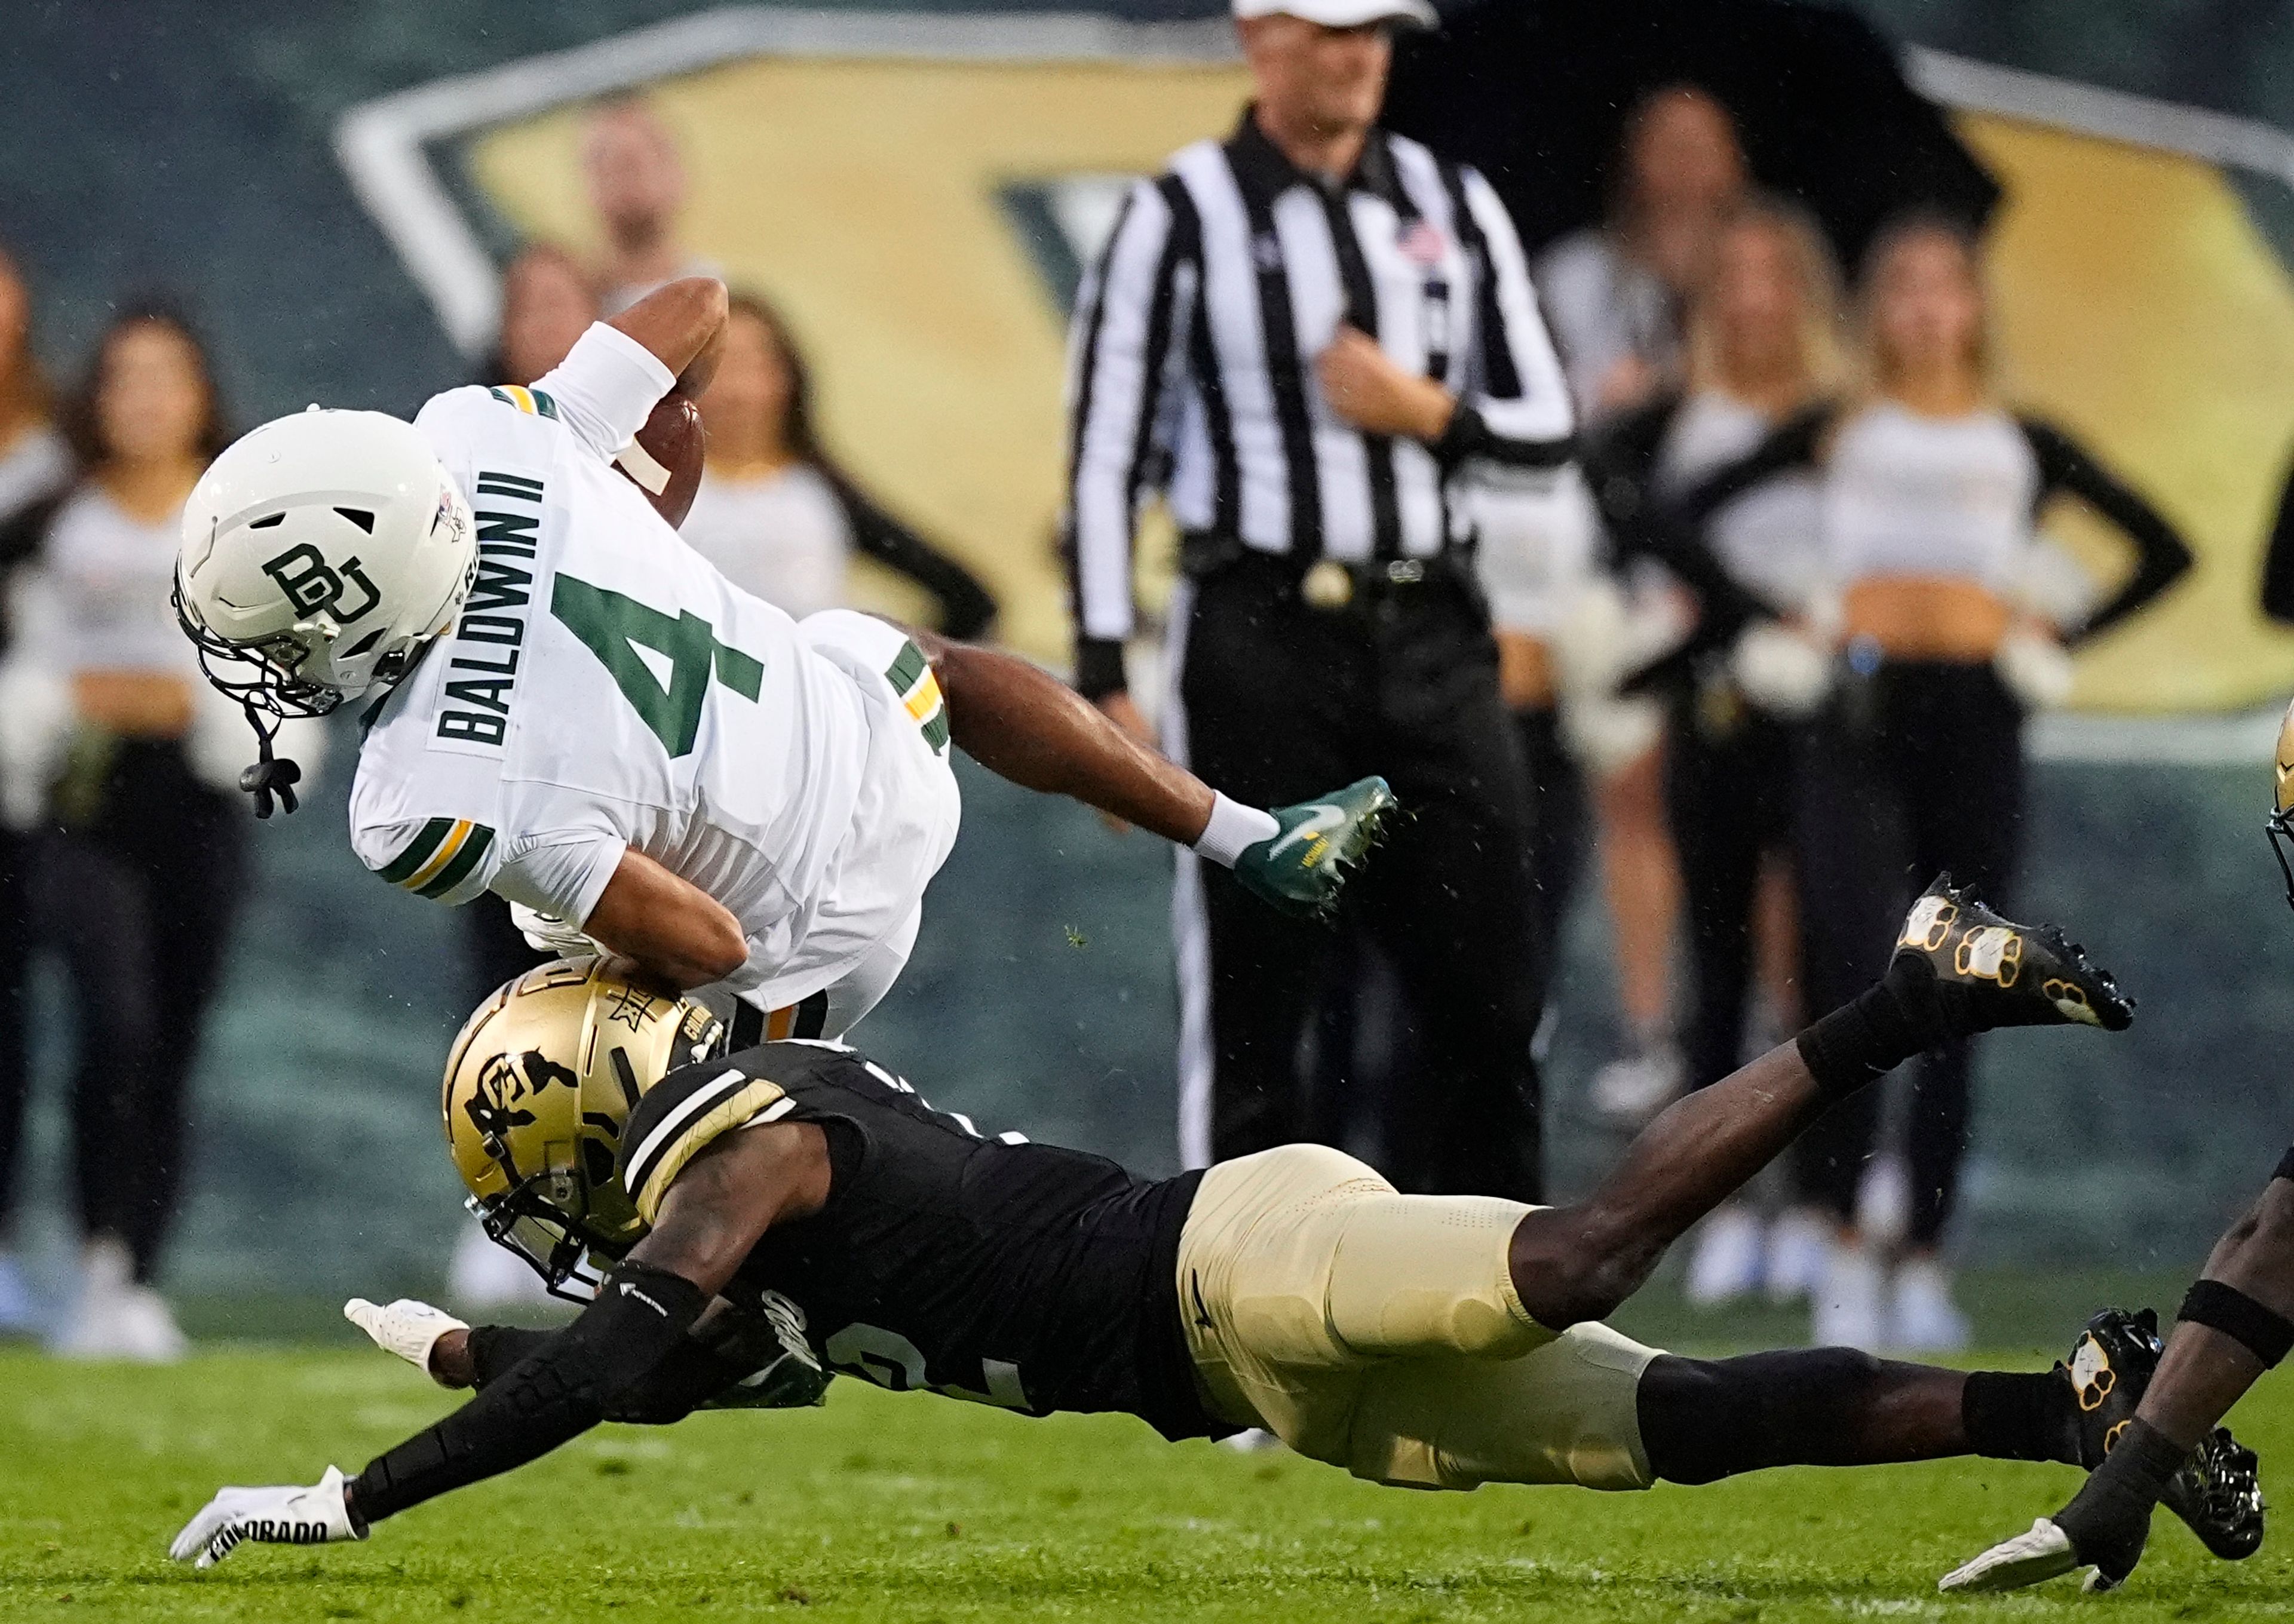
(1278, 701)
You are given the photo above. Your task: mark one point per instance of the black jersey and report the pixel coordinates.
(1016, 1274)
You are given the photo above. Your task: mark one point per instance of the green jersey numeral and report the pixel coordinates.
(613, 626)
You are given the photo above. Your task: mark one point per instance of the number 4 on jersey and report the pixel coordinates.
(613, 626)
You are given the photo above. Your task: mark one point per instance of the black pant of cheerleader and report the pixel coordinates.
(1914, 769)
(17, 940)
(1730, 775)
(138, 897)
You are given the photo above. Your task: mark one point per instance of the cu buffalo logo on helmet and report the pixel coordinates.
(495, 1105)
(313, 586)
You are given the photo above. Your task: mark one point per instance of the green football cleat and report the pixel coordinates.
(1302, 867)
(1997, 973)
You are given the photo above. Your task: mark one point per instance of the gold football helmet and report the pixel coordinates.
(538, 1085)
(2281, 826)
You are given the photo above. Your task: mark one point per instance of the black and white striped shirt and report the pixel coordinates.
(1192, 363)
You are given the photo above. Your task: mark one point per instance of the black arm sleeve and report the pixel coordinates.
(1623, 473)
(1620, 464)
(2162, 556)
(1673, 533)
(966, 607)
(1470, 436)
(557, 1392)
(2278, 563)
(1791, 445)
(496, 1350)
(688, 1376)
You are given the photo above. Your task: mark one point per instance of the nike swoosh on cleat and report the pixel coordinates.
(1321, 818)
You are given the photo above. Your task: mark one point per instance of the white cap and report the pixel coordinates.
(1343, 14)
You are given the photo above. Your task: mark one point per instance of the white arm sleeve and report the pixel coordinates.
(561, 874)
(607, 388)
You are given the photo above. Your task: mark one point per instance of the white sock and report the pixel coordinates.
(1233, 828)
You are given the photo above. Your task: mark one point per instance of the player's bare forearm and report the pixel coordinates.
(2205, 1371)
(675, 934)
(1028, 727)
(683, 323)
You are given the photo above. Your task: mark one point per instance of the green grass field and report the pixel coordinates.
(885, 1508)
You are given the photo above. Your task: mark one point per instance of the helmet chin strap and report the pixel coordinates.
(271, 775)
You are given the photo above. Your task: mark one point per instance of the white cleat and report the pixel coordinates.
(1631, 1090)
(1250, 1441)
(114, 1318)
(405, 1328)
(1800, 1250)
(1925, 1320)
(1726, 1262)
(2042, 1554)
(1848, 1308)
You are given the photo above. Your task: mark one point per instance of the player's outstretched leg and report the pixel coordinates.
(1025, 725)
(1703, 1420)
(1958, 969)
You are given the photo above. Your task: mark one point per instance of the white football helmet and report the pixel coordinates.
(320, 553)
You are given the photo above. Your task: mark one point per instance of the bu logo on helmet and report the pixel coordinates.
(311, 584)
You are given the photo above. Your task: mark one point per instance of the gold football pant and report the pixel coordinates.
(1382, 1333)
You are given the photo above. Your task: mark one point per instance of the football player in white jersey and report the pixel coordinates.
(579, 713)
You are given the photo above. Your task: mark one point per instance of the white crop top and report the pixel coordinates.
(783, 537)
(36, 465)
(1910, 495)
(1771, 538)
(1539, 537)
(97, 599)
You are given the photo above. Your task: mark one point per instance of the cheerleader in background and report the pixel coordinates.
(34, 464)
(1950, 615)
(141, 860)
(777, 514)
(1763, 344)
(1613, 295)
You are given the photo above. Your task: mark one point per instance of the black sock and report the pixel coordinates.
(2021, 1417)
(2109, 1519)
(1902, 1015)
(496, 1348)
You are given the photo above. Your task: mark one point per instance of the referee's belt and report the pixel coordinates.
(1321, 583)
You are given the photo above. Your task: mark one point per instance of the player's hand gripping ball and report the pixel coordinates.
(664, 460)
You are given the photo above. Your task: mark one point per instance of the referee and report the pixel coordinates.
(1306, 335)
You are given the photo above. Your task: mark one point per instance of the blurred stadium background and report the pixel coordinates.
(330, 186)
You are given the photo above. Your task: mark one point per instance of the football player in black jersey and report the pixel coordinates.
(793, 1209)
(2237, 1321)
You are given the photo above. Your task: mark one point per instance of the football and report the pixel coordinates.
(664, 460)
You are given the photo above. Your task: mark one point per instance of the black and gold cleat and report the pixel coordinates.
(2003, 974)
(2218, 1492)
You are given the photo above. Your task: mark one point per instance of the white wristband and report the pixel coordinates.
(1233, 828)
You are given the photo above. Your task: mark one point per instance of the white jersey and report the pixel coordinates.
(605, 687)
